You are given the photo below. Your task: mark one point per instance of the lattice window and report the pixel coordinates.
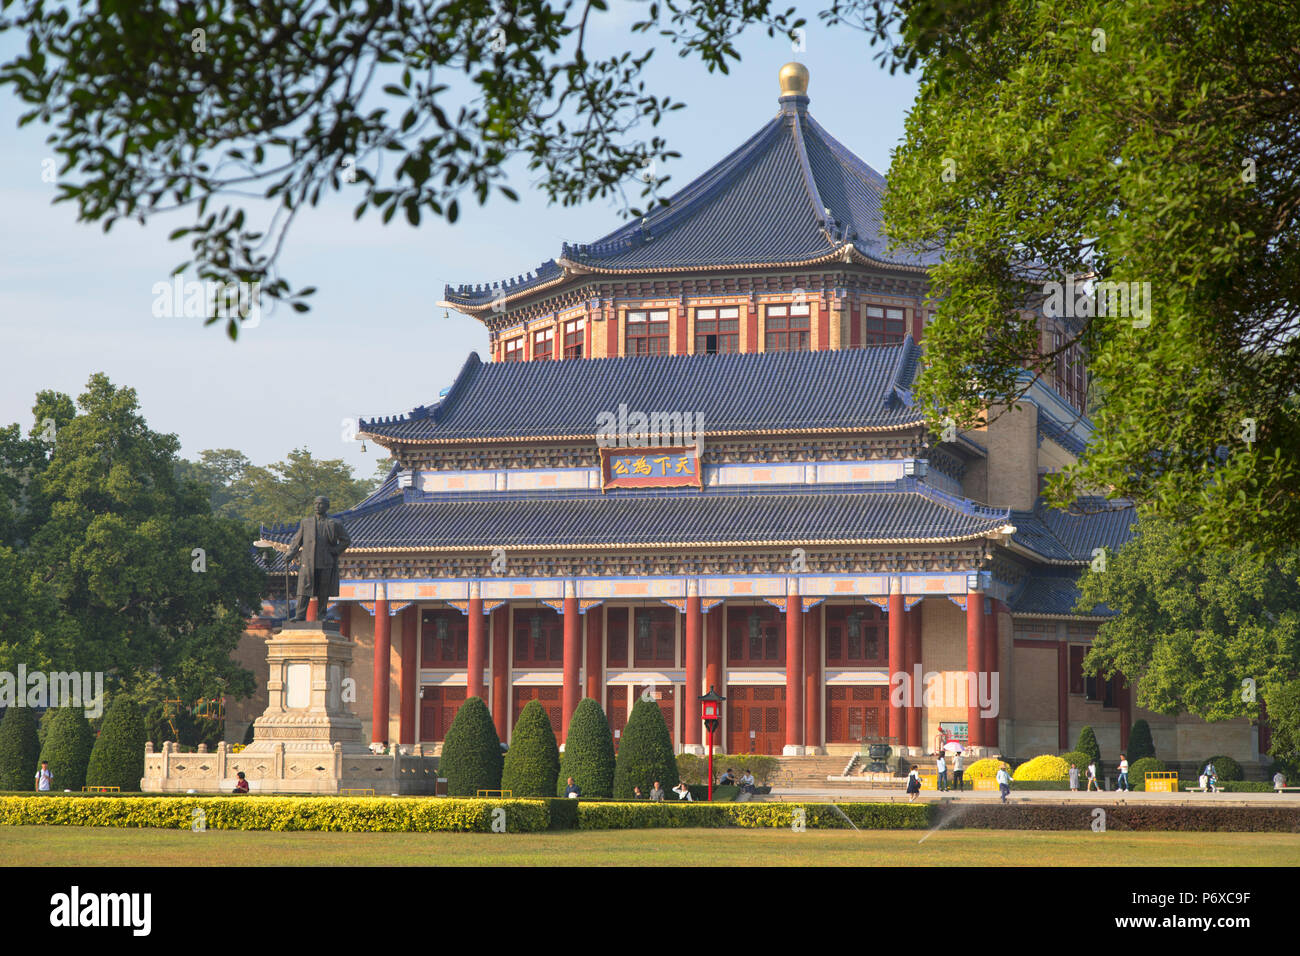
(763, 693)
(573, 338)
(544, 344)
(513, 350)
(788, 328)
(647, 332)
(885, 325)
(717, 330)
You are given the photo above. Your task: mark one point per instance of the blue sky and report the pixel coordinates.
(74, 300)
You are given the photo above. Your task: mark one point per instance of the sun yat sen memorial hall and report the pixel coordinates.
(694, 460)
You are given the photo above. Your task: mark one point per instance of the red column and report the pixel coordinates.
(990, 628)
(713, 667)
(896, 662)
(379, 686)
(501, 669)
(794, 671)
(1063, 696)
(407, 679)
(345, 619)
(913, 658)
(812, 678)
(1125, 712)
(477, 650)
(595, 653)
(974, 661)
(694, 667)
(572, 661)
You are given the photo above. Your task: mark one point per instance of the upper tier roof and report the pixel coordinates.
(790, 195)
(838, 390)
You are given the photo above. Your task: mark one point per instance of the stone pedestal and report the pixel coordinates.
(308, 740)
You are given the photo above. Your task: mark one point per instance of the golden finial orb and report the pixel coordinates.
(794, 79)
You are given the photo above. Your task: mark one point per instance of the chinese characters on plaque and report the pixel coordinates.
(650, 468)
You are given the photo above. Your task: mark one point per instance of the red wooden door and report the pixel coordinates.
(616, 710)
(552, 701)
(856, 712)
(437, 710)
(757, 709)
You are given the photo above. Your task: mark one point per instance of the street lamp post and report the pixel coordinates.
(711, 709)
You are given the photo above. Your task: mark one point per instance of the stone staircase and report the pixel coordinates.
(809, 772)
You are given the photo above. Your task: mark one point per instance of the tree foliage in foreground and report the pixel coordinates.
(1153, 142)
(1214, 634)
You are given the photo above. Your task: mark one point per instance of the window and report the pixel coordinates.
(654, 637)
(1078, 683)
(755, 636)
(787, 328)
(514, 349)
(444, 635)
(615, 637)
(539, 637)
(856, 636)
(573, 336)
(717, 330)
(647, 332)
(884, 325)
(544, 344)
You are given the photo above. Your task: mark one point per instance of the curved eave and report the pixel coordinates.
(1018, 548)
(382, 439)
(857, 257)
(837, 252)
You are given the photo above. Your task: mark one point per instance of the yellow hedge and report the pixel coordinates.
(391, 814)
(986, 769)
(604, 815)
(1045, 767)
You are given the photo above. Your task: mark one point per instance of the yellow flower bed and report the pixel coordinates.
(986, 769)
(1046, 767)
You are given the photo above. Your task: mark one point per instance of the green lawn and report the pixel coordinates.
(93, 846)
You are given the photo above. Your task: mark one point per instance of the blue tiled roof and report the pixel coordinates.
(1072, 536)
(766, 391)
(1053, 594)
(895, 511)
(791, 193)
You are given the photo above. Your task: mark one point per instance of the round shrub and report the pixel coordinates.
(1045, 767)
(67, 747)
(1088, 745)
(588, 752)
(986, 769)
(1140, 744)
(471, 753)
(693, 769)
(533, 761)
(117, 759)
(1225, 767)
(645, 753)
(19, 750)
(1080, 761)
(1138, 770)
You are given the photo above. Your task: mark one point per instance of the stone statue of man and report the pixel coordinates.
(321, 540)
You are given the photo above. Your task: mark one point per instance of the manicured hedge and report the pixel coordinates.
(588, 752)
(117, 758)
(1140, 744)
(19, 748)
(817, 816)
(533, 761)
(471, 753)
(1079, 816)
(1138, 770)
(67, 747)
(645, 752)
(382, 814)
(1224, 766)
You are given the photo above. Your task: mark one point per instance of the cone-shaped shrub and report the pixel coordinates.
(588, 752)
(645, 753)
(1140, 744)
(67, 747)
(533, 761)
(471, 754)
(117, 759)
(18, 749)
(1088, 745)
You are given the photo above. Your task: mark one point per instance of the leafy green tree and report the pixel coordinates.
(287, 490)
(114, 565)
(117, 759)
(533, 761)
(588, 752)
(645, 752)
(219, 470)
(1087, 746)
(18, 749)
(1140, 744)
(1215, 634)
(67, 747)
(471, 753)
(1149, 143)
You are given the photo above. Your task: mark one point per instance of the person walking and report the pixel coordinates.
(957, 771)
(1092, 776)
(942, 767)
(44, 778)
(913, 785)
(1004, 783)
(1074, 779)
(1122, 783)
